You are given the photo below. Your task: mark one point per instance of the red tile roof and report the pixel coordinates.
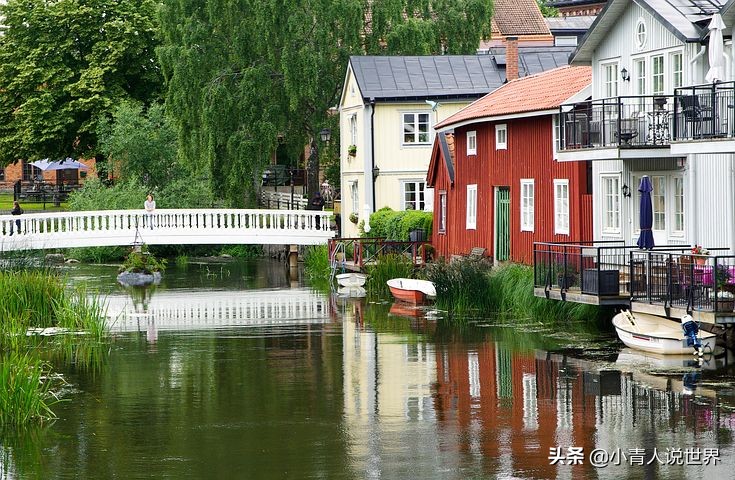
(518, 17)
(543, 91)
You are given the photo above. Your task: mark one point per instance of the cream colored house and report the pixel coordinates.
(388, 110)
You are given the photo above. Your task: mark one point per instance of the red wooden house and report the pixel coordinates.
(496, 182)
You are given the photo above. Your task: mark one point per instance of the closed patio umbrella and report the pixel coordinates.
(645, 241)
(716, 55)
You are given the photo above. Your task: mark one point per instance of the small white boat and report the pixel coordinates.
(657, 334)
(351, 279)
(411, 290)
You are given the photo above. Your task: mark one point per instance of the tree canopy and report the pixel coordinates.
(241, 75)
(64, 65)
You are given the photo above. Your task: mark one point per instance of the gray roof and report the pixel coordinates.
(575, 23)
(447, 76)
(687, 19)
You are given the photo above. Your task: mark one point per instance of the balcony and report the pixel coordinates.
(704, 116)
(615, 125)
(667, 281)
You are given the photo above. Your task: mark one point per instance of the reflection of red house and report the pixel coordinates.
(496, 182)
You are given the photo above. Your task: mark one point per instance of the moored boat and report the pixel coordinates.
(411, 290)
(657, 334)
(351, 279)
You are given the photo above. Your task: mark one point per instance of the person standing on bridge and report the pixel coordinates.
(316, 203)
(150, 207)
(16, 211)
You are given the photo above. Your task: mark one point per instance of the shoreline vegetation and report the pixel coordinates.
(464, 286)
(38, 301)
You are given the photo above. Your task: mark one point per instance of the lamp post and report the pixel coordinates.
(312, 180)
(290, 176)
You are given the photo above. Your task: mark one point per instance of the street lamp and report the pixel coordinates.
(290, 175)
(326, 135)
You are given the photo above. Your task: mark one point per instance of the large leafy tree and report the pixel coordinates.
(64, 65)
(243, 75)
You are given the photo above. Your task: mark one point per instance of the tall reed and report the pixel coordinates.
(25, 389)
(316, 266)
(462, 285)
(388, 266)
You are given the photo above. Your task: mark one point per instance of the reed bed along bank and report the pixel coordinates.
(389, 266)
(38, 299)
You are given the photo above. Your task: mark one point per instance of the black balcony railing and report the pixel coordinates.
(626, 122)
(704, 112)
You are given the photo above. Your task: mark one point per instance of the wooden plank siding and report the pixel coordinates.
(529, 156)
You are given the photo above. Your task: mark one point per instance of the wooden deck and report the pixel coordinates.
(576, 296)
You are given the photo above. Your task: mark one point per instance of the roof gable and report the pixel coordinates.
(518, 17)
(442, 154)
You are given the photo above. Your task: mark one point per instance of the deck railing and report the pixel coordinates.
(704, 111)
(625, 122)
(677, 278)
(358, 251)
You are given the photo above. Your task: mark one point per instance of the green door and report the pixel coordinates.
(502, 223)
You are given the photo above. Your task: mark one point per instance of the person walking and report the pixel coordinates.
(150, 207)
(316, 203)
(16, 211)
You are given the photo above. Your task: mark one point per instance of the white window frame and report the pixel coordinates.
(501, 136)
(420, 193)
(416, 122)
(472, 142)
(353, 129)
(611, 218)
(566, 41)
(355, 197)
(640, 75)
(676, 74)
(609, 77)
(561, 206)
(556, 135)
(471, 219)
(640, 34)
(442, 211)
(671, 212)
(675, 207)
(528, 194)
(661, 75)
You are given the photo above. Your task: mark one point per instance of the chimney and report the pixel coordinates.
(511, 58)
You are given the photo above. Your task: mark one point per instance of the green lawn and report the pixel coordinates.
(6, 204)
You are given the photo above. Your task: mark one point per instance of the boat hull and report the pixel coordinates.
(411, 290)
(410, 296)
(351, 280)
(653, 334)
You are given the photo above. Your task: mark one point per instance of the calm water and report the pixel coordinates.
(234, 371)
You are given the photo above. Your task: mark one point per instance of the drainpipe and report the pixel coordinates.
(372, 146)
(692, 166)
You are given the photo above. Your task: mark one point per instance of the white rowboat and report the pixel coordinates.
(411, 290)
(657, 334)
(351, 280)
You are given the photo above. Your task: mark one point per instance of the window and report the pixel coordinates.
(413, 195)
(557, 134)
(355, 197)
(678, 205)
(677, 70)
(640, 34)
(639, 70)
(527, 209)
(610, 80)
(471, 207)
(472, 143)
(561, 207)
(442, 212)
(658, 199)
(610, 203)
(565, 41)
(657, 75)
(353, 129)
(501, 137)
(30, 172)
(416, 128)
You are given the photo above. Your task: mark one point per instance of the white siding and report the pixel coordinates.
(713, 223)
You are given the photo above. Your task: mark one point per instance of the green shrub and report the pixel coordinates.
(142, 261)
(391, 225)
(242, 251)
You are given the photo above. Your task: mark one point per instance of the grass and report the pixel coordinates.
(316, 266)
(461, 286)
(388, 266)
(6, 203)
(39, 299)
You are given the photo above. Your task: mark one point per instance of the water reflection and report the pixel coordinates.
(288, 383)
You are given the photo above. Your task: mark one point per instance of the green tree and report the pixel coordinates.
(64, 65)
(239, 74)
(546, 10)
(141, 145)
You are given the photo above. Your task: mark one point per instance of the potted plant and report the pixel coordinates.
(354, 218)
(700, 252)
(352, 150)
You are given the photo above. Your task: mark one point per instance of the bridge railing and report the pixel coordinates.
(113, 225)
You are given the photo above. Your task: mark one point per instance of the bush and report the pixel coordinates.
(391, 225)
(142, 262)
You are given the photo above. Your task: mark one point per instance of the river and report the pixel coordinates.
(231, 370)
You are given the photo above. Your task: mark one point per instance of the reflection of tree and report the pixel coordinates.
(141, 297)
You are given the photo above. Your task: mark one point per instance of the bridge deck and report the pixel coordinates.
(164, 227)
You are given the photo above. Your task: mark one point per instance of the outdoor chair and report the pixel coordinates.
(695, 114)
(628, 129)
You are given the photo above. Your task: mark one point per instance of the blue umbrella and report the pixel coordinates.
(645, 241)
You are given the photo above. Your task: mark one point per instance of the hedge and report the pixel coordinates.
(391, 225)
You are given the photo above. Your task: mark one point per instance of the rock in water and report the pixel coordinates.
(133, 279)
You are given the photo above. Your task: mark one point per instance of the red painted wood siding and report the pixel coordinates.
(529, 155)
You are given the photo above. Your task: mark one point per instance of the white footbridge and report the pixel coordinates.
(34, 231)
(177, 310)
